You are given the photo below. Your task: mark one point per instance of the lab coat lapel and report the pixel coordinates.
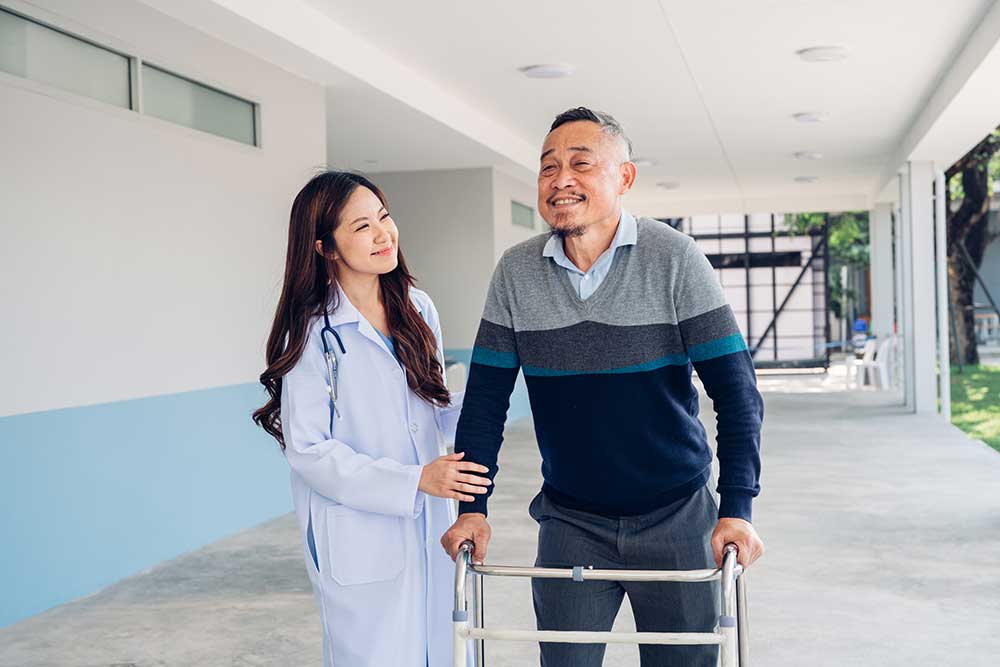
(346, 312)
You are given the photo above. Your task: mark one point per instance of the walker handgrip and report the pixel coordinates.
(465, 547)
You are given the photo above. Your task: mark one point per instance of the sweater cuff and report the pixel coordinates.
(734, 505)
(476, 506)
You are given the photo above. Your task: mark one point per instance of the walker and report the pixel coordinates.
(732, 634)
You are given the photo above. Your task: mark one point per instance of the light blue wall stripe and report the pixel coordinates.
(91, 495)
(717, 348)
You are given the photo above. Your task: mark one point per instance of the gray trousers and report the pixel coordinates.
(675, 537)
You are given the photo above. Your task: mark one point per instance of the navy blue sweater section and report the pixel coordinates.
(625, 440)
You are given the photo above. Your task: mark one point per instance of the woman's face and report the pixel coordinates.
(366, 237)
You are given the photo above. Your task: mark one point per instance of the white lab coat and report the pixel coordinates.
(384, 585)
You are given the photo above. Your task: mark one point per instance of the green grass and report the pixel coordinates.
(975, 402)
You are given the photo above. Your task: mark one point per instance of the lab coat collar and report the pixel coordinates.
(347, 313)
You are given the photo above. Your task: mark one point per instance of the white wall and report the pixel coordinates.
(142, 258)
(507, 188)
(445, 221)
(453, 227)
(990, 268)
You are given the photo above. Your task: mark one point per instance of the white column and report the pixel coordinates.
(919, 291)
(897, 281)
(941, 276)
(905, 275)
(880, 233)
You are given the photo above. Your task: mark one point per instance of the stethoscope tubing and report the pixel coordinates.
(330, 354)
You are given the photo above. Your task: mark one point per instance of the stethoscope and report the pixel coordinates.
(331, 361)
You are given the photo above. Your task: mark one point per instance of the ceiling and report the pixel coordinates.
(706, 89)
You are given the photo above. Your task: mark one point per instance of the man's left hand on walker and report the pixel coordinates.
(742, 534)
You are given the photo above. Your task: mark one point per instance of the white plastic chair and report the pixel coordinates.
(877, 363)
(865, 369)
(883, 362)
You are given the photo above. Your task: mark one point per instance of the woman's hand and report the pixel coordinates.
(446, 477)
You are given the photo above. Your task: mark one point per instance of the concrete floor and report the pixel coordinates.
(882, 534)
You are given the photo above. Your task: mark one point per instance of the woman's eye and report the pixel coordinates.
(361, 227)
(384, 216)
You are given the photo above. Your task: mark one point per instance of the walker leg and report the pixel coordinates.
(479, 649)
(743, 619)
(459, 631)
(460, 612)
(728, 650)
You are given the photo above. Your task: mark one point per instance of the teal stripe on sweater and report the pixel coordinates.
(669, 360)
(717, 348)
(487, 357)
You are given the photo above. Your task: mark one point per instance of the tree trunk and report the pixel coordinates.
(967, 226)
(962, 283)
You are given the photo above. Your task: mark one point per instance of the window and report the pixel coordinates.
(37, 52)
(521, 215)
(46, 55)
(185, 102)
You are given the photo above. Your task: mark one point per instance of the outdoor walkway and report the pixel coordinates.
(882, 534)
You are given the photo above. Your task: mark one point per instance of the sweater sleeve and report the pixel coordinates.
(492, 373)
(719, 354)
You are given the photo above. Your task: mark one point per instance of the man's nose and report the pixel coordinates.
(563, 179)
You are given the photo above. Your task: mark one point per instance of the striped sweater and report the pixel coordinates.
(609, 378)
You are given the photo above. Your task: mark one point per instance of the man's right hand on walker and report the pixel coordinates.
(472, 527)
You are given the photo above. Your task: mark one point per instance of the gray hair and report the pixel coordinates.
(608, 124)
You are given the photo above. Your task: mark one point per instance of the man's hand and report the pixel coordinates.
(472, 527)
(742, 534)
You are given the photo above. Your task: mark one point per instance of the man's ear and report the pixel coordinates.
(628, 174)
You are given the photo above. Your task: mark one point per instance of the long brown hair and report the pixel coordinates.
(309, 290)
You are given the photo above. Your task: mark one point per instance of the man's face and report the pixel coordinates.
(582, 176)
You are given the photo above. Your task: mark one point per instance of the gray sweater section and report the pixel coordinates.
(662, 279)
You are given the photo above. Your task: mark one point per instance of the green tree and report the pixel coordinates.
(970, 191)
(849, 246)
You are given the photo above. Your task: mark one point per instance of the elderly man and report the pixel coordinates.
(606, 316)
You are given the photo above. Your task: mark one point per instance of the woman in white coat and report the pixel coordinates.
(362, 417)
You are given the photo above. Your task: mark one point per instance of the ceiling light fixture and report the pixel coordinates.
(808, 155)
(668, 185)
(822, 54)
(811, 116)
(644, 162)
(550, 71)
(806, 179)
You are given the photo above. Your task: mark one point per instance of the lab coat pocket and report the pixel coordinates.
(363, 547)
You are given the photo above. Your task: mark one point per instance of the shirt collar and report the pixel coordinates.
(626, 234)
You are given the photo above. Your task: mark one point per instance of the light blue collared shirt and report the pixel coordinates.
(586, 283)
